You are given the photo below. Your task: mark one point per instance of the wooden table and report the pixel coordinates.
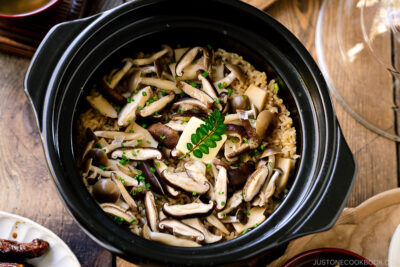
(26, 187)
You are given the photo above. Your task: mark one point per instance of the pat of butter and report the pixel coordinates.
(185, 138)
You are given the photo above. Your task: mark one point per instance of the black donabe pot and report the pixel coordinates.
(75, 54)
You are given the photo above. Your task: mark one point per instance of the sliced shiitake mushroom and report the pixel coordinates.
(238, 176)
(187, 59)
(151, 211)
(136, 153)
(221, 187)
(150, 174)
(101, 104)
(234, 201)
(191, 210)
(181, 180)
(164, 134)
(254, 183)
(209, 237)
(181, 229)
(168, 239)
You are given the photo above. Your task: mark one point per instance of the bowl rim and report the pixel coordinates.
(31, 13)
(317, 251)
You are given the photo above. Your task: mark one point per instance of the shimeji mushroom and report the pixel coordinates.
(196, 93)
(151, 59)
(105, 190)
(167, 238)
(181, 229)
(125, 194)
(235, 73)
(191, 210)
(161, 83)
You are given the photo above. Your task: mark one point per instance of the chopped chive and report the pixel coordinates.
(205, 74)
(245, 140)
(244, 97)
(223, 203)
(118, 108)
(158, 164)
(140, 189)
(131, 131)
(167, 25)
(147, 185)
(163, 93)
(144, 125)
(194, 84)
(134, 220)
(139, 107)
(209, 166)
(148, 142)
(210, 47)
(230, 91)
(135, 91)
(276, 87)
(194, 193)
(102, 167)
(133, 193)
(144, 93)
(97, 111)
(162, 137)
(139, 140)
(247, 213)
(98, 145)
(155, 197)
(152, 170)
(245, 231)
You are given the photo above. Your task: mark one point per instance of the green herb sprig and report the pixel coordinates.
(207, 135)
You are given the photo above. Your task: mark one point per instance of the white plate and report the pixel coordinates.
(394, 248)
(25, 230)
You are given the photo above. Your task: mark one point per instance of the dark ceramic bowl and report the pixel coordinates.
(38, 10)
(75, 54)
(328, 257)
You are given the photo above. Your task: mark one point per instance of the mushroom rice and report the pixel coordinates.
(186, 146)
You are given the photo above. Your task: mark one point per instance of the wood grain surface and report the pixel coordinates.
(26, 187)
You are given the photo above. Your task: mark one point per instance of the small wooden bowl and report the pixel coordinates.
(41, 9)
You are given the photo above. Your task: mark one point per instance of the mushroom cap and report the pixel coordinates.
(187, 59)
(99, 157)
(164, 134)
(105, 190)
(239, 103)
(182, 181)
